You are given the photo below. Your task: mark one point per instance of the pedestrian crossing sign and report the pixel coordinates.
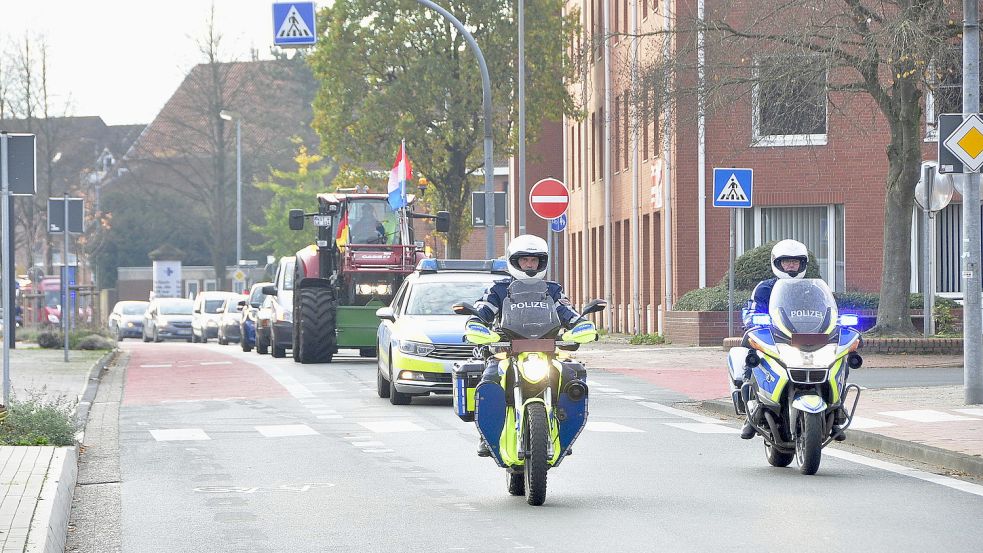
(732, 187)
(293, 24)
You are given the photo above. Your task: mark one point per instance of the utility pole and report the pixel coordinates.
(972, 323)
(521, 201)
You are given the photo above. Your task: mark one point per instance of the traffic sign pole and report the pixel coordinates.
(5, 256)
(732, 188)
(972, 322)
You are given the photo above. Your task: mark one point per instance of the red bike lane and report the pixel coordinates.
(158, 373)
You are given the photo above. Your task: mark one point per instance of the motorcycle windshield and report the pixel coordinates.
(802, 306)
(528, 311)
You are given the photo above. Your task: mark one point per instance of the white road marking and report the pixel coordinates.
(281, 430)
(323, 411)
(368, 444)
(329, 416)
(679, 412)
(862, 423)
(379, 450)
(215, 363)
(357, 437)
(632, 398)
(392, 426)
(159, 366)
(602, 426)
(974, 412)
(953, 483)
(179, 434)
(292, 385)
(607, 390)
(703, 428)
(925, 415)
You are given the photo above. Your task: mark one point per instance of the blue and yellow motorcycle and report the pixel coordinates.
(533, 413)
(800, 354)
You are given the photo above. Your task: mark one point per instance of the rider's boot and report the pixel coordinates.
(483, 450)
(747, 432)
(837, 431)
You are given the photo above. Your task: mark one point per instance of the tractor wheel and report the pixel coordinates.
(316, 338)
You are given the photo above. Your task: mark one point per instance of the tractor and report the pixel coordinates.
(362, 253)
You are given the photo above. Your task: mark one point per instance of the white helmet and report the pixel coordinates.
(789, 249)
(527, 245)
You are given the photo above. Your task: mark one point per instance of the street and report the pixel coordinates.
(221, 450)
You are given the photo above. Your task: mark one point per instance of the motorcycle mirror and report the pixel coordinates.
(464, 309)
(296, 221)
(594, 306)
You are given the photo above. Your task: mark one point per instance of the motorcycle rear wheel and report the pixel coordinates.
(809, 442)
(536, 438)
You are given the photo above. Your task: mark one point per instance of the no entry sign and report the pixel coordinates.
(549, 198)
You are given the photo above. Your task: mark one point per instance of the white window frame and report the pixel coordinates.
(781, 140)
(831, 236)
(211, 285)
(191, 288)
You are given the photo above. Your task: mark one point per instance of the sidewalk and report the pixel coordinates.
(932, 425)
(37, 482)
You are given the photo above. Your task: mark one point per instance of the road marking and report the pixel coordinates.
(703, 428)
(281, 430)
(357, 437)
(632, 398)
(862, 423)
(215, 363)
(377, 450)
(392, 426)
(179, 434)
(602, 426)
(926, 415)
(291, 384)
(323, 411)
(953, 483)
(607, 390)
(974, 412)
(368, 444)
(329, 416)
(679, 412)
(158, 366)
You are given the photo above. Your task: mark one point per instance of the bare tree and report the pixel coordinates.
(792, 63)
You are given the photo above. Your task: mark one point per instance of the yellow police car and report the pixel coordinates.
(420, 337)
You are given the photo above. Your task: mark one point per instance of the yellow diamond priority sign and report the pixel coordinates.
(239, 276)
(966, 142)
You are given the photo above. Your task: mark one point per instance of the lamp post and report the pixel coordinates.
(230, 115)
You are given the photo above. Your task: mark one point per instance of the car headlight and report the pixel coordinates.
(129, 325)
(285, 316)
(415, 348)
(534, 367)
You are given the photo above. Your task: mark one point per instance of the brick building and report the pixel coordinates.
(825, 187)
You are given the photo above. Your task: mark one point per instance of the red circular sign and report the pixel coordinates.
(549, 198)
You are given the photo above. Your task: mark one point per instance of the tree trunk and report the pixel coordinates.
(904, 162)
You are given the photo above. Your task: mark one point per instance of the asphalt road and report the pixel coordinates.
(220, 450)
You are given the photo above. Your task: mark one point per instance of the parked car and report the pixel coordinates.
(419, 337)
(281, 307)
(247, 316)
(263, 324)
(168, 319)
(207, 313)
(126, 319)
(228, 324)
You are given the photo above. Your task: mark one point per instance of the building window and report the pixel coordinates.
(616, 133)
(789, 102)
(210, 285)
(820, 228)
(191, 288)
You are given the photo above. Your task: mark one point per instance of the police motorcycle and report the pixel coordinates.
(800, 354)
(533, 414)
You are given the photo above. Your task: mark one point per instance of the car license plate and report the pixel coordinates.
(183, 332)
(321, 220)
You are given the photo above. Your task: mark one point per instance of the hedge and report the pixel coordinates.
(715, 299)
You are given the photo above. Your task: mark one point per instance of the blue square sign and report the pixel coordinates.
(732, 187)
(293, 24)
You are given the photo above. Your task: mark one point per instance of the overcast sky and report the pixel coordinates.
(122, 59)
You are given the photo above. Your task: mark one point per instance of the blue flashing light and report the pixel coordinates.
(476, 265)
(761, 319)
(426, 265)
(500, 266)
(848, 319)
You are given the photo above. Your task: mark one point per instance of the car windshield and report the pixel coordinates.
(288, 275)
(372, 222)
(436, 298)
(134, 309)
(213, 306)
(802, 306)
(179, 307)
(256, 298)
(52, 298)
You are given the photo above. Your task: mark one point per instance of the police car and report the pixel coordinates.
(420, 337)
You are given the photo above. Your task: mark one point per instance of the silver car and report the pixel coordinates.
(168, 319)
(126, 319)
(207, 314)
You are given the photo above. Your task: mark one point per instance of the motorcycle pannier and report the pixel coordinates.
(466, 376)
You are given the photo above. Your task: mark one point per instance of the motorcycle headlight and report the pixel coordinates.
(535, 367)
(415, 348)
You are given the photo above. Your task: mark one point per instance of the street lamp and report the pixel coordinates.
(230, 115)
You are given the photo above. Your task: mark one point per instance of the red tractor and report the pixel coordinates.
(362, 253)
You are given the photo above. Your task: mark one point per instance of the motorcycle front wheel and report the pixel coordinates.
(809, 442)
(536, 438)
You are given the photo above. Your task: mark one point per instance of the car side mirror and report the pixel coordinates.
(296, 221)
(241, 304)
(443, 222)
(386, 313)
(198, 311)
(269, 290)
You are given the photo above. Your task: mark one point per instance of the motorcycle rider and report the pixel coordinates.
(789, 259)
(527, 257)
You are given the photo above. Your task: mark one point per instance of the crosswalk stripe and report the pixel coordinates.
(861, 423)
(703, 428)
(974, 412)
(679, 412)
(603, 426)
(179, 434)
(925, 415)
(281, 430)
(392, 426)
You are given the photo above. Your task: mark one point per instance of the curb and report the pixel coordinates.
(943, 458)
(49, 525)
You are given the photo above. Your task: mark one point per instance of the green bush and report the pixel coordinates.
(39, 421)
(647, 340)
(50, 339)
(82, 338)
(754, 265)
(711, 299)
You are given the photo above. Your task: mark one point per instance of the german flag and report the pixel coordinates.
(341, 236)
